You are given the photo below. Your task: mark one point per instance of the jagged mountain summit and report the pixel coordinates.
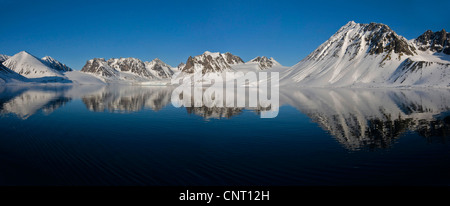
(264, 62)
(232, 59)
(3, 58)
(159, 69)
(371, 55)
(434, 41)
(55, 64)
(127, 69)
(210, 62)
(180, 66)
(129, 65)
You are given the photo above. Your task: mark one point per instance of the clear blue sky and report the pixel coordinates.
(75, 31)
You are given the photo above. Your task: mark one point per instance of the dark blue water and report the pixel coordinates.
(134, 136)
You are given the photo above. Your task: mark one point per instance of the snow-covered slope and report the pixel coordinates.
(367, 55)
(259, 64)
(30, 66)
(9, 76)
(81, 78)
(127, 70)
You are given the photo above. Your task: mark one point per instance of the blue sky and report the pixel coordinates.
(75, 31)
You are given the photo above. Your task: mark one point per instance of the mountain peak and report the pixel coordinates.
(180, 66)
(211, 62)
(159, 61)
(377, 27)
(350, 23)
(30, 66)
(24, 52)
(264, 62)
(159, 69)
(48, 58)
(55, 64)
(347, 26)
(434, 41)
(212, 54)
(360, 39)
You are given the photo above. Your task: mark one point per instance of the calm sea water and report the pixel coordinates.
(124, 135)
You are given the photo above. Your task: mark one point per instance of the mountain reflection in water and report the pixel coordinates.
(356, 118)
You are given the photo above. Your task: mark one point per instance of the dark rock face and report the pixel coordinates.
(127, 64)
(434, 41)
(232, 59)
(161, 69)
(56, 65)
(99, 67)
(189, 66)
(208, 62)
(383, 35)
(211, 62)
(132, 65)
(112, 67)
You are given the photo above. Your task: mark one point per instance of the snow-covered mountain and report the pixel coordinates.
(129, 65)
(30, 66)
(99, 67)
(210, 62)
(434, 41)
(24, 68)
(127, 69)
(55, 64)
(232, 59)
(374, 55)
(159, 69)
(264, 63)
(357, 55)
